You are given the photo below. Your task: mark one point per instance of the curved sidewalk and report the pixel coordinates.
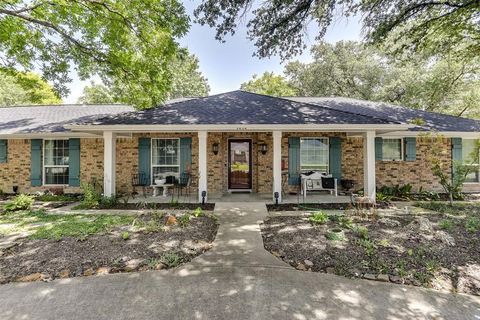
(236, 279)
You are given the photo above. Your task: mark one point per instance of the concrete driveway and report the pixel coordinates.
(237, 279)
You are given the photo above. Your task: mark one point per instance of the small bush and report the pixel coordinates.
(346, 222)
(108, 202)
(20, 202)
(362, 232)
(171, 260)
(125, 235)
(319, 217)
(472, 224)
(91, 198)
(184, 219)
(384, 243)
(198, 212)
(446, 224)
(367, 245)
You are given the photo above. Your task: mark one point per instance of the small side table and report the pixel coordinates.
(156, 189)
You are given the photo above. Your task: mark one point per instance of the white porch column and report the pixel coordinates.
(109, 146)
(277, 165)
(202, 164)
(369, 164)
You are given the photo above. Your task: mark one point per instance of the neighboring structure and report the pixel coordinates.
(228, 142)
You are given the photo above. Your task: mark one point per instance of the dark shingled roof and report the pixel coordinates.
(241, 107)
(379, 110)
(52, 118)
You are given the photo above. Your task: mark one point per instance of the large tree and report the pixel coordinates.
(17, 88)
(127, 43)
(96, 94)
(279, 27)
(186, 81)
(270, 84)
(351, 69)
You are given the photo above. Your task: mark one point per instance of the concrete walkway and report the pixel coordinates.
(237, 279)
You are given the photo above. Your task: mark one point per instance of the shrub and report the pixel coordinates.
(367, 245)
(171, 260)
(108, 202)
(20, 202)
(472, 224)
(198, 212)
(346, 222)
(446, 224)
(91, 198)
(318, 217)
(184, 219)
(362, 232)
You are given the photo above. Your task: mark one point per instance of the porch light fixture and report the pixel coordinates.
(263, 148)
(204, 194)
(276, 195)
(215, 148)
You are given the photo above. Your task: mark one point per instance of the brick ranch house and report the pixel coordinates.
(228, 142)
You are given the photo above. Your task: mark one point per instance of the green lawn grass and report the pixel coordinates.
(42, 225)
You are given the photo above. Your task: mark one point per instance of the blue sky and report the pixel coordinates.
(227, 65)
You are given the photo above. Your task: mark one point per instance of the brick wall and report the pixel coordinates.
(17, 170)
(388, 173)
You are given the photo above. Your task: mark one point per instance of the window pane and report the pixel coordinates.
(392, 149)
(314, 154)
(165, 151)
(56, 175)
(468, 147)
(56, 153)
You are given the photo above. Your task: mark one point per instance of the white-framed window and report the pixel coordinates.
(165, 158)
(392, 149)
(55, 161)
(468, 158)
(314, 154)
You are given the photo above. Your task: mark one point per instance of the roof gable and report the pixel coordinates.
(240, 107)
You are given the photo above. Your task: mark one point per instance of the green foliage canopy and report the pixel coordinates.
(186, 81)
(279, 27)
(127, 43)
(353, 70)
(17, 88)
(270, 84)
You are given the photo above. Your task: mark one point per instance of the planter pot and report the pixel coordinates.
(335, 234)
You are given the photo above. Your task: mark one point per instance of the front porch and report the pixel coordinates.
(245, 197)
(269, 159)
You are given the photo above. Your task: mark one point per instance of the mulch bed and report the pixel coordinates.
(319, 206)
(414, 252)
(161, 206)
(31, 260)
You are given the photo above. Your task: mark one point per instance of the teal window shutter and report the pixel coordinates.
(36, 162)
(456, 153)
(3, 151)
(378, 149)
(410, 149)
(74, 162)
(335, 157)
(144, 157)
(293, 160)
(185, 155)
